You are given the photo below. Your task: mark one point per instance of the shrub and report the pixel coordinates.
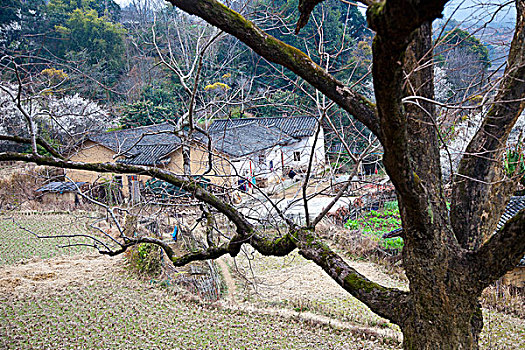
(18, 184)
(376, 223)
(145, 259)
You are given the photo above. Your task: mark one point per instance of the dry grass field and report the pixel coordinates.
(55, 298)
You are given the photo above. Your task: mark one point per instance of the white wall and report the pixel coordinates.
(304, 146)
(259, 162)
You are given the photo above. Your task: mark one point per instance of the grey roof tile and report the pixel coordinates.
(146, 145)
(149, 154)
(126, 140)
(292, 126)
(240, 137)
(60, 186)
(516, 204)
(249, 138)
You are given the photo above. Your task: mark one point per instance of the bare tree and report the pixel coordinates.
(449, 259)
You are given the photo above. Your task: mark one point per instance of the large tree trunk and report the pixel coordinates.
(443, 311)
(452, 323)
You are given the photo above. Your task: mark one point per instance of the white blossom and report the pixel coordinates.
(73, 116)
(63, 119)
(464, 132)
(442, 88)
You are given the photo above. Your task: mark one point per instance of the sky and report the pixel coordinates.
(481, 10)
(470, 10)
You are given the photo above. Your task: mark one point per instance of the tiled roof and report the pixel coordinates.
(292, 126)
(240, 137)
(515, 205)
(59, 186)
(149, 154)
(147, 145)
(246, 139)
(127, 140)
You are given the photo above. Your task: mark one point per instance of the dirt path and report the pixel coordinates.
(233, 301)
(228, 280)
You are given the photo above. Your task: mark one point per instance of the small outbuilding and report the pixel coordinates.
(63, 191)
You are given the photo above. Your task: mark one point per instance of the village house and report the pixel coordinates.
(155, 145)
(268, 148)
(60, 191)
(248, 148)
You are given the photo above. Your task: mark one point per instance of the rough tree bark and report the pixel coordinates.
(442, 308)
(449, 259)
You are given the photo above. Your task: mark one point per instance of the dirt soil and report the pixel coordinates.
(48, 279)
(291, 288)
(51, 275)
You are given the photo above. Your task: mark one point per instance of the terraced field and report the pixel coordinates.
(54, 298)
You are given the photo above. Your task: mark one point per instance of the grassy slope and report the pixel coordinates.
(117, 312)
(18, 241)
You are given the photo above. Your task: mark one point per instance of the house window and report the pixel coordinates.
(296, 156)
(262, 159)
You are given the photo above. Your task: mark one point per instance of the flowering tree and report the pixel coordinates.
(61, 121)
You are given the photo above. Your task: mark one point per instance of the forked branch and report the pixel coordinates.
(274, 50)
(481, 169)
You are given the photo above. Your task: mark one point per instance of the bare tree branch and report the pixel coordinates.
(472, 198)
(374, 295)
(305, 9)
(309, 170)
(190, 185)
(40, 141)
(278, 52)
